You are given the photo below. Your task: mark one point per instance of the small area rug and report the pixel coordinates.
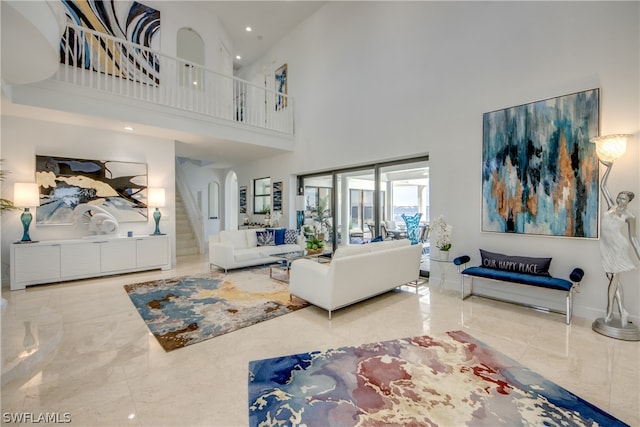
(186, 310)
(454, 380)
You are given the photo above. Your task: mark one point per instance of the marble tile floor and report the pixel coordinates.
(90, 356)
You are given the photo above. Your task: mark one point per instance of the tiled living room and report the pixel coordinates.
(370, 86)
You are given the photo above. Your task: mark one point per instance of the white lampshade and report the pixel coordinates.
(26, 194)
(300, 203)
(156, 197)
(610, 148)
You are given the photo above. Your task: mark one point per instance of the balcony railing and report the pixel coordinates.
(101, 62)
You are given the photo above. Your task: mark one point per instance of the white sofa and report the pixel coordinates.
(239, 248)
(355, 273)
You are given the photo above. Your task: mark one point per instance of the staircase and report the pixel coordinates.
(185, 240)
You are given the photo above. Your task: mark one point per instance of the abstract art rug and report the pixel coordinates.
(453, 380)
(186, 310)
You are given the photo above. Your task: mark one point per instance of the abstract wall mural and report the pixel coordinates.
(125, 20)
(539, 170)
(120, 188)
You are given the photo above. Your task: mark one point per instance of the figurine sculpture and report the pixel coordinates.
(618, 232)
(98, 219)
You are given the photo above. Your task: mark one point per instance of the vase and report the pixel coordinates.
(444, 255)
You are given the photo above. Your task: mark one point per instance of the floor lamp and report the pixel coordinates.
(610, 148)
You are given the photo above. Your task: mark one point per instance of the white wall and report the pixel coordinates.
(23, 139)
(382, 80)
(180, 14)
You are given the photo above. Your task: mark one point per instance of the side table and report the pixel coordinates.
(443, 265)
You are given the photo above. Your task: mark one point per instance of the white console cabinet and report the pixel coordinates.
(59, 260)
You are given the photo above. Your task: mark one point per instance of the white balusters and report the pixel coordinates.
(94, 60)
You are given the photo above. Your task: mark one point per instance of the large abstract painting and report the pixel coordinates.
(126, 20)
(539, 170)
(120, 188)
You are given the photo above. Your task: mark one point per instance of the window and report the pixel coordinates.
(261, 195)
(363, 198)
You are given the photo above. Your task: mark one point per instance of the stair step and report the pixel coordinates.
(186, 244)
(186, 251)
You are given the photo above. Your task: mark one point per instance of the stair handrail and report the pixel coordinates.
(100, 61)
(196, 219)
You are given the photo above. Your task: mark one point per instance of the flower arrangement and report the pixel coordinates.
(442, 232)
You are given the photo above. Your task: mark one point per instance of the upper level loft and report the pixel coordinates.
(104, 63)
(98, 75)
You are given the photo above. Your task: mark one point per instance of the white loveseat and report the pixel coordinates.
(239, 248)
(355, 273)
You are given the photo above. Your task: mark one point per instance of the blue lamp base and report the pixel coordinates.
(156, 217)
(26, 218)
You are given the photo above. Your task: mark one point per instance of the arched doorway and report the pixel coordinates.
(190, 47)
(231, 201)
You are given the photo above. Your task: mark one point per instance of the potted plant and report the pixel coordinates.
(442, 232)
(5, 204)
(315, 245)
(321, 214)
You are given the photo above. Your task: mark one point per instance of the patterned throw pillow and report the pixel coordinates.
(266, 238)
(290, 237)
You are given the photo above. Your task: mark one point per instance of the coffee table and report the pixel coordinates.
(287, 258)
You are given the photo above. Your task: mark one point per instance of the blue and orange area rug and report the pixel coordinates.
(186, 310)
(454, 380)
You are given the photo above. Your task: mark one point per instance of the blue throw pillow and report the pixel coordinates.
(377, 239)
(266, 238)
(280, 232)
(290, 237)
(517, 264)
(279, 235)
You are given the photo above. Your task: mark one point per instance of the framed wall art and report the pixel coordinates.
(243, 199)
(118, 187)
(539, 170)
(281, 76)
(277, 196)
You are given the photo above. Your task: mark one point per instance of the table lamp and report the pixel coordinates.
(26, 195)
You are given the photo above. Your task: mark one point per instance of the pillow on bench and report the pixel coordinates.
(516, 264)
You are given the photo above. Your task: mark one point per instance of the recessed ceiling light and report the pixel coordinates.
(129, 128)
(195, 83)
(249, 29)
(238, 57)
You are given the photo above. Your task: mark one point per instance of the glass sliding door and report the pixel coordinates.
(407, 193)
(318, 212)
(355, 190)
(353, 206)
